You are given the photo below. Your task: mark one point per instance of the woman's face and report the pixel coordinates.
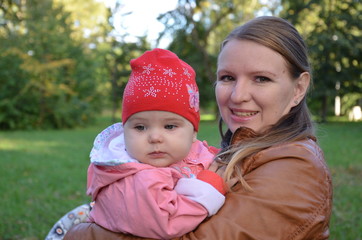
(254, 87)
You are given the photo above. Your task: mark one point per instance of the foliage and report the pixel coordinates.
(47, 80)
(349, 100)
(332, 29)
(88, 19)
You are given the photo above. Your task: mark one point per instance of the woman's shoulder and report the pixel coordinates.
(305, 150)
(299, 161)
(291, 174)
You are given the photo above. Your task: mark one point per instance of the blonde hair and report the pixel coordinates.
(280, 36)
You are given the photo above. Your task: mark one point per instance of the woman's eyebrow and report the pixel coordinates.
(263, 73)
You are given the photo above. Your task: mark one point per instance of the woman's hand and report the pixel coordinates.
(220, 169)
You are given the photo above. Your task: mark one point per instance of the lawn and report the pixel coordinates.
(43, 175)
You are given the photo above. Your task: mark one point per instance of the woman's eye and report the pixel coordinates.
(170, 126)
(140, 127)
(262, 79)
(226, 78)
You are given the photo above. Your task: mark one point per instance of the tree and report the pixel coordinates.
(332, 30)
(47, 79)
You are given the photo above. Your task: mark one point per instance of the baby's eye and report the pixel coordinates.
(226, 78)
(170, 126)
(140, 127)
(262, 79)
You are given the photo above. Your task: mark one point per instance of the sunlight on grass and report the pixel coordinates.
(207, 117)
(26, 145)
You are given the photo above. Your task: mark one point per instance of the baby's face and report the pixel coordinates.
(158, 138)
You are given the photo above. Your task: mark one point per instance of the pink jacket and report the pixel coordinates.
(146, 201)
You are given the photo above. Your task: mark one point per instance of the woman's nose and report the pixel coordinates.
(240, 91)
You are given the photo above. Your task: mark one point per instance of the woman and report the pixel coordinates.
(284, 189)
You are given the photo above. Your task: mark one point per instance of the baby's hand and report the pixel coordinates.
(220, 169)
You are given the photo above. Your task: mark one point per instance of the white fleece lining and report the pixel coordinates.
(201, 192)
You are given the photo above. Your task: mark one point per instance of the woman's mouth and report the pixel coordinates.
(244, 114)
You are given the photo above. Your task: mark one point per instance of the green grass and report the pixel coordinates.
(43, 176)
(342, 146)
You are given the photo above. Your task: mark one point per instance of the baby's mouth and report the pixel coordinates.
(157, 154)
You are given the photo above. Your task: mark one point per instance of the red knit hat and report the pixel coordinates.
(160, 81)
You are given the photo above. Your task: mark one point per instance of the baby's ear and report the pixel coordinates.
(194, 137)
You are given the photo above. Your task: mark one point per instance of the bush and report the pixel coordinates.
(37, 95)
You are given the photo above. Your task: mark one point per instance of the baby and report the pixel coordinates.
(148, 175)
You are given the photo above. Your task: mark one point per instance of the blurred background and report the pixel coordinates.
(64, 65)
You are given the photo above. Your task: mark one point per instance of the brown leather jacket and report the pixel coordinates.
(291, 199)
